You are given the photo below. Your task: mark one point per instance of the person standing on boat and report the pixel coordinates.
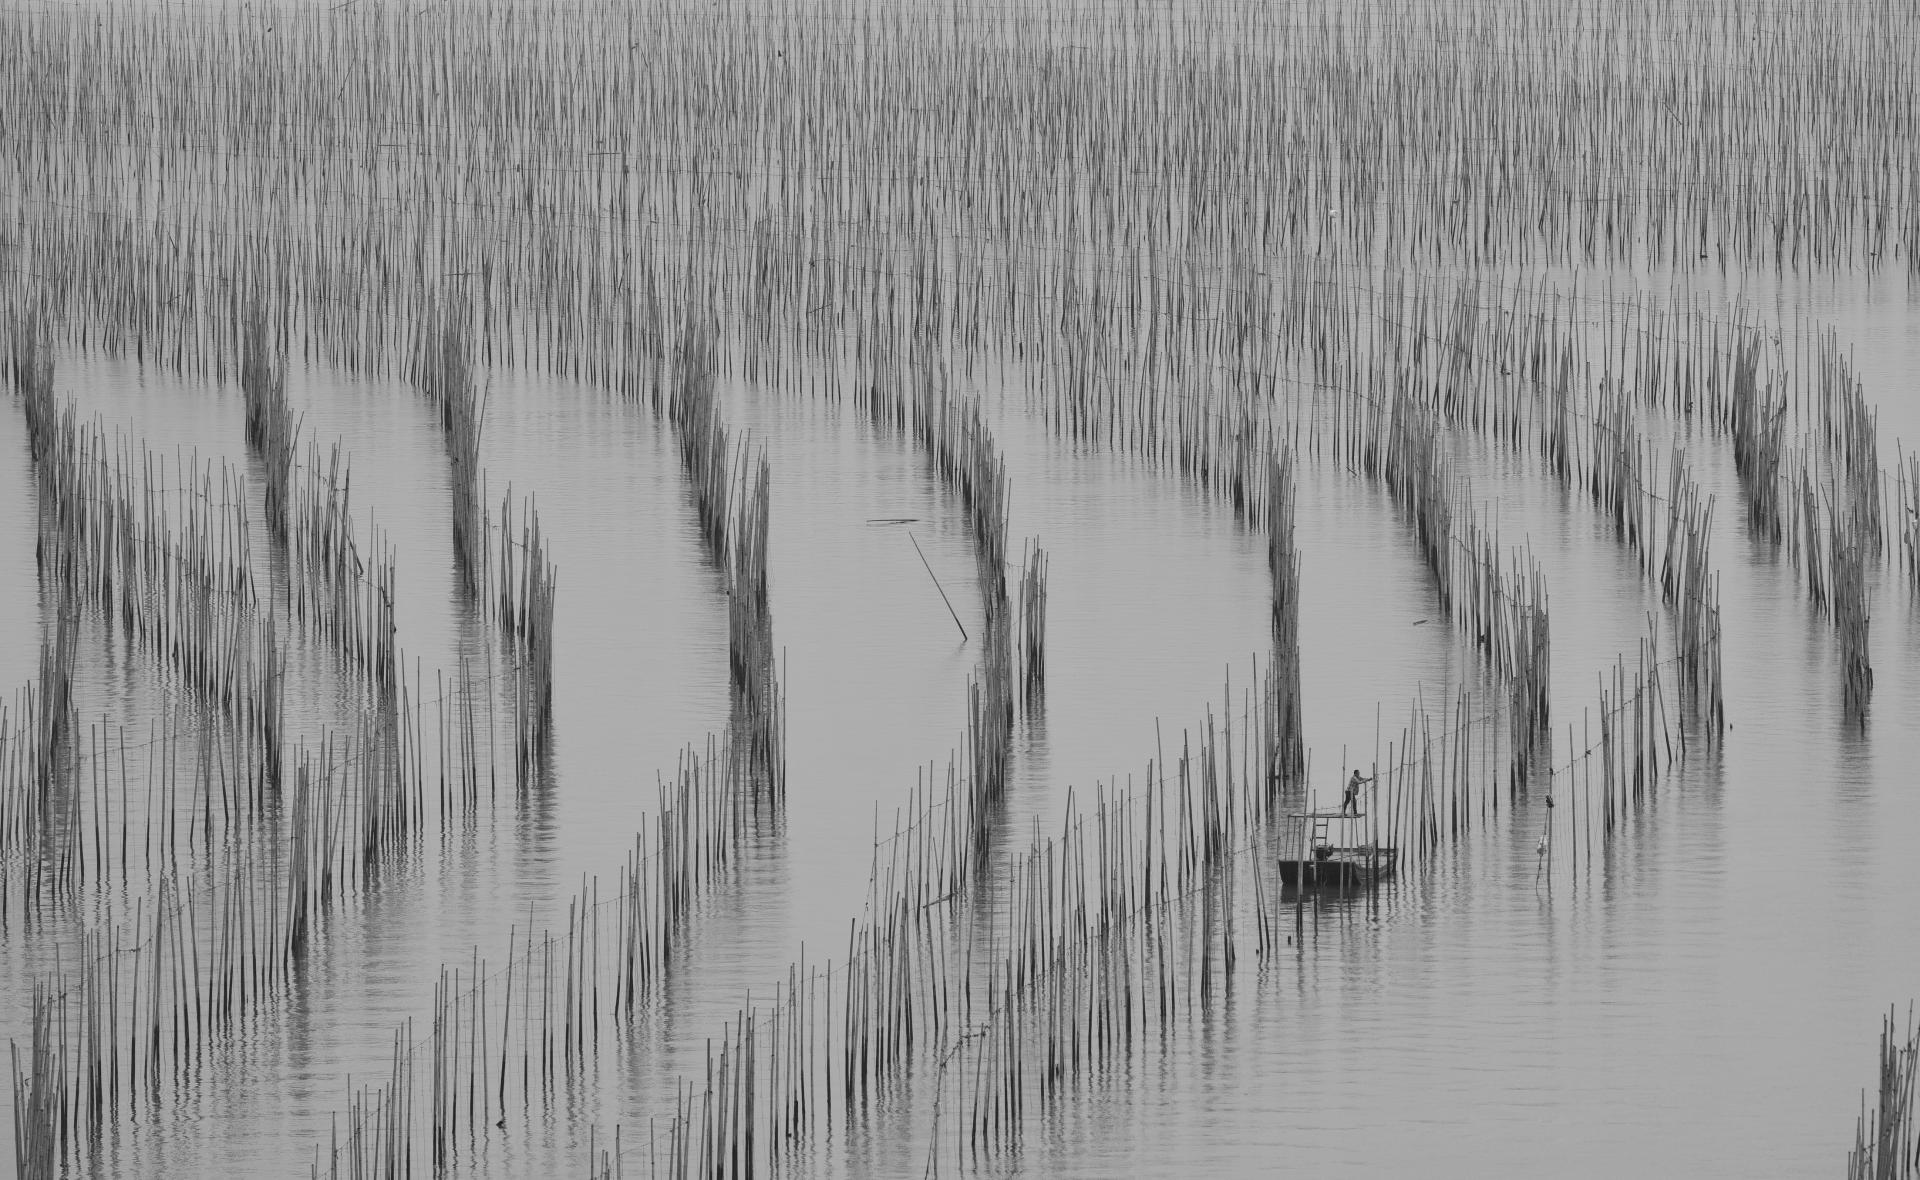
(1350, 801)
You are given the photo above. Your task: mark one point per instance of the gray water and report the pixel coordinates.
(1705, 1003)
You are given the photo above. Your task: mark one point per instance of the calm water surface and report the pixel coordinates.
(1705, 1003)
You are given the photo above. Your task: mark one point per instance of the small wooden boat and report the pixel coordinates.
(1336, 851)
(1348, 868)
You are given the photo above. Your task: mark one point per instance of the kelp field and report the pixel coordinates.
(790, 589)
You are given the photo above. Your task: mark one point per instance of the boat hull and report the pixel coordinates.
(1341, 868)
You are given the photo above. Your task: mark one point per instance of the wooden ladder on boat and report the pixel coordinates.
(1321, 828)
